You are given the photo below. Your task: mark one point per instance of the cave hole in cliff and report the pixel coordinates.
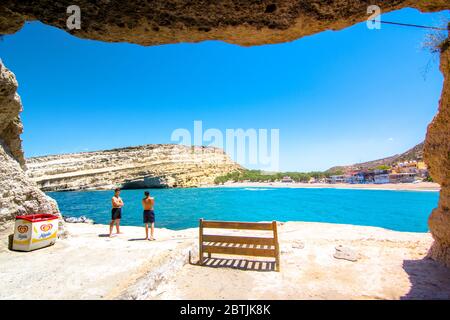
(271, 8)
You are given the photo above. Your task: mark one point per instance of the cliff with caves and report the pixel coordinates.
(149, 166)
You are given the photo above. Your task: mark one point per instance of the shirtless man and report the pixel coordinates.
(149, 215)
(116, 212)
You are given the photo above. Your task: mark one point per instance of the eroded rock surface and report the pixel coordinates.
(171, 21)
(18, 194)
(437, 156)
(345, 254)
(149, 166)
(10, 108)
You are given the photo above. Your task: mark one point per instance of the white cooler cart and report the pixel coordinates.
(35, 231)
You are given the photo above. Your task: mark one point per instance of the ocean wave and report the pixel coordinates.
(256, 189)
(82, 219)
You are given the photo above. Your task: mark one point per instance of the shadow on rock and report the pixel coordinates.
(429, 279)
(240, 264)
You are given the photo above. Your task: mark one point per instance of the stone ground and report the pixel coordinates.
(87, 265)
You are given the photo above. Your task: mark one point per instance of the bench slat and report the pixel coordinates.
(237, 225)
(241, 251)
(238, 239)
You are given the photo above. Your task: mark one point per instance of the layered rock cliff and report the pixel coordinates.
(18, 194)
(437, 156)
(149, 166)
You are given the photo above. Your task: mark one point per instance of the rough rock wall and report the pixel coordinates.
(149, 166)
(437, 156)
(10, 108)
(18, 194)
(245, 22)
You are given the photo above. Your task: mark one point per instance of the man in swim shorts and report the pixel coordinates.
(149, 215)
(116, 212)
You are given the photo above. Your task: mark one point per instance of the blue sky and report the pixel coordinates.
(336, 97)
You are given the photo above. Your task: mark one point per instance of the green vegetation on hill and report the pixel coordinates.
(383, 167)
(335, 171)
(261, 176)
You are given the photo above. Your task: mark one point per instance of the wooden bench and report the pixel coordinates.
(239, 245)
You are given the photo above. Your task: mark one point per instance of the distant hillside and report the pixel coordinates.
(415, 153)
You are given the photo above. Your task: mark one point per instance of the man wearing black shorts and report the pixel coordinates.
(116, 212)
(149, 215)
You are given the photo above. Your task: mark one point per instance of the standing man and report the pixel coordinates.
(116, 212)
(149, 215)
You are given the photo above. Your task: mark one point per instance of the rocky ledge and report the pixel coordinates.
(318, 261)
(148, 166)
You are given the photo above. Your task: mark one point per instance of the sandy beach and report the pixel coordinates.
(421, 186)
(89, 265)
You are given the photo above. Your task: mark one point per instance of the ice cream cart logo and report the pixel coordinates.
(23, 232)
(46, 227)
(22, 229)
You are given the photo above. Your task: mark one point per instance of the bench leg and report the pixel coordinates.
(200, 242)
(209, 255)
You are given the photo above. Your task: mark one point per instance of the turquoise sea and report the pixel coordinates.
(181, 208)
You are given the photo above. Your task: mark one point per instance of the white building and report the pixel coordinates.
(337, 179)
(287, 179)
(381, 178)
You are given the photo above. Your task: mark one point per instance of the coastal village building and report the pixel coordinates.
(402, 177)
(381, 176)
(337, 179)
(417, 167)
(287, 179)
(355, 177)
(402, 172)
(369, 176)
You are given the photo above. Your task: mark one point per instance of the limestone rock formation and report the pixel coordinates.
(149, 166)
(437, 157)
(171, 21)
(18, 194)
(10, 108)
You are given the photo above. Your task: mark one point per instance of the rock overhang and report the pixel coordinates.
(240, 22)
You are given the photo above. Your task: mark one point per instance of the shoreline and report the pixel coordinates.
(106, 226)
(88, 265)
(421, 186)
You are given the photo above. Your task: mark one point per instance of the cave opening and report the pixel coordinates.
(437, 143)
